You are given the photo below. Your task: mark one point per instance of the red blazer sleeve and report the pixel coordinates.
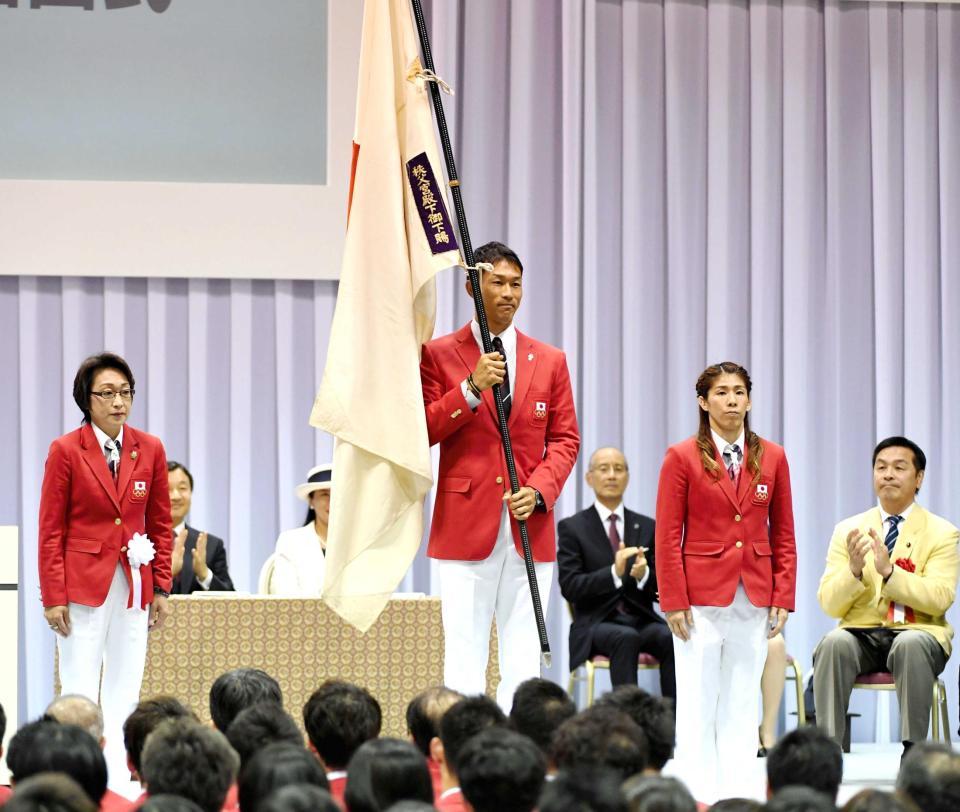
(158, 523)
(672, 496)
(562, 439)
(447, 409)
(783, 539)
(54, 504)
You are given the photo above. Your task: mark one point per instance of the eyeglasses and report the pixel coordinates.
(108, 395)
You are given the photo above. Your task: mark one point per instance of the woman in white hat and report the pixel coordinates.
(299, 556)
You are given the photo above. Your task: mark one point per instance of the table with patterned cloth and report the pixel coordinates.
(301, 643)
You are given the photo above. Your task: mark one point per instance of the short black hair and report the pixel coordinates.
(238, 689)
(173, 465)
(806, 757)
(737, 805)
(584, 789)
(539, 708)
(49, 792)
(494, 252)
(654, 793)
(260, 725)
(300, 798)
(919, 458)
(876, 800)
(465, 719)
(3, 723)
(275, 766)
(384, 771)
(143, 720)
(601, 736)
(501, 770)
(169, 803)
(171, 757)
(424, 713)
(930, 777)
(800, 799)
(48, 746)
(652, 714)
(83, 380)
(339, 717)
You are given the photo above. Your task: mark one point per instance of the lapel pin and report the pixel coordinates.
(530, 357)
(636, 527)
(133, 455)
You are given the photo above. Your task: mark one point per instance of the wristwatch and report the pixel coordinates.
(158, 591)
(540, 505)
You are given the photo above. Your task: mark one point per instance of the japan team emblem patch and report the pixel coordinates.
(540, 410)
(762, 494)
(139, 489)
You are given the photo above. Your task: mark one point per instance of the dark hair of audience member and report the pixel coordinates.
(299, 798)
(800, 799)
(259, 725)
(539, 708)
(275, 766)
(48, 746)
(3, 722)
(169, 803)
(183, 757)
(49, 792)
(583, 789)
(411, 806)
(501, 770)
(384, 771)
(465, 719)
(424, 713)
(875, 800)
(604, 737)
(930, 777)
(652, 714)
(658, 793)
(339, 717)
(806, 757)
(143, 720)
(737, 805)
(238, 689)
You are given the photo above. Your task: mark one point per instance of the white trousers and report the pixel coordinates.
(718, 689)
(472, 593)
(115, 638)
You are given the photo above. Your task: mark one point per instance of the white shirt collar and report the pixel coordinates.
(508, 337)
(179, 528)
(102, 437)
(605, 514)
(721, 444)
(903, 513)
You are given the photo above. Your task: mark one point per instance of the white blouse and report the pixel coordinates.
(298, 564)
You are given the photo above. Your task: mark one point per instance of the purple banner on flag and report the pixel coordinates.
(433, 212)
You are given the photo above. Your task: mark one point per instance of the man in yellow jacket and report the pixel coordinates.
(891, 575)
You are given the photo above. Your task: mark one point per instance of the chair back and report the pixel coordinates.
(264, 585)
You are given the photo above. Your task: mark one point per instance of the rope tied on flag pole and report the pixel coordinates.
(480, 266)
(474, 276)
(429, 76)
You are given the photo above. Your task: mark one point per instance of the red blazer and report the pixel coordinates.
(473, 470)
(86, 520)
(710, 537)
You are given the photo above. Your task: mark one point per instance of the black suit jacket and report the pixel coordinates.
(186, 582)
(584, 560)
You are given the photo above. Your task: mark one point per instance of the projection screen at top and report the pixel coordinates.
(204, 138)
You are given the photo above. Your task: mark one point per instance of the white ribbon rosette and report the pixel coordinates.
(140, 551)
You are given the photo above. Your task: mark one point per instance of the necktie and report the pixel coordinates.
(732, 457)
(891, 540)
(505, 386)
(614, 533)
(113, 459)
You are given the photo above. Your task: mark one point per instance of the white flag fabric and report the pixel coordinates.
(399, 235)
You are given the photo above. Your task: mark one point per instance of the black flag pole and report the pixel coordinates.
(474, 275)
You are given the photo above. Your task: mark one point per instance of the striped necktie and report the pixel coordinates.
(505, 386)
(112, 448)
(891, 540)
(732, 457)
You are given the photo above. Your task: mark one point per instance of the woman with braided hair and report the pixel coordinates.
(726, 566)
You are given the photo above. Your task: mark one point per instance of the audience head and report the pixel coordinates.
(652, 714)
(806, 757)
(875, 800)
(466, 718)
(49, 792)
(183, 757)
(260, 725)
(898, 469)
(539, 708)
(800, 799)
(74, 709)
(180, 484)
(384, 771)
(737, 805)
(300, 798)
(339, 717)
(412, 806)
(275, 766)
(145, 717)
(930, 777)
(169, 803)
(584, 789)
(608, 474)
(424, 713)
(316, 493)
(501, 770)
(658, 793)
(48, 746)
(3, 727)
(601, 736)
(239, 689)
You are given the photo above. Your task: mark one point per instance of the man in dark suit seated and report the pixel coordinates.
(199, 561)
(607, 574)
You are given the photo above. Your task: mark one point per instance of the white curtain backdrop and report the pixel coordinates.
(686, 182)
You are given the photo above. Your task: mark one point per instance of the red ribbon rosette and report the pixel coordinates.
(908, 613)
(906, 564)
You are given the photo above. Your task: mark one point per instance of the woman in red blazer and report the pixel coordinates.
(726, 567)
